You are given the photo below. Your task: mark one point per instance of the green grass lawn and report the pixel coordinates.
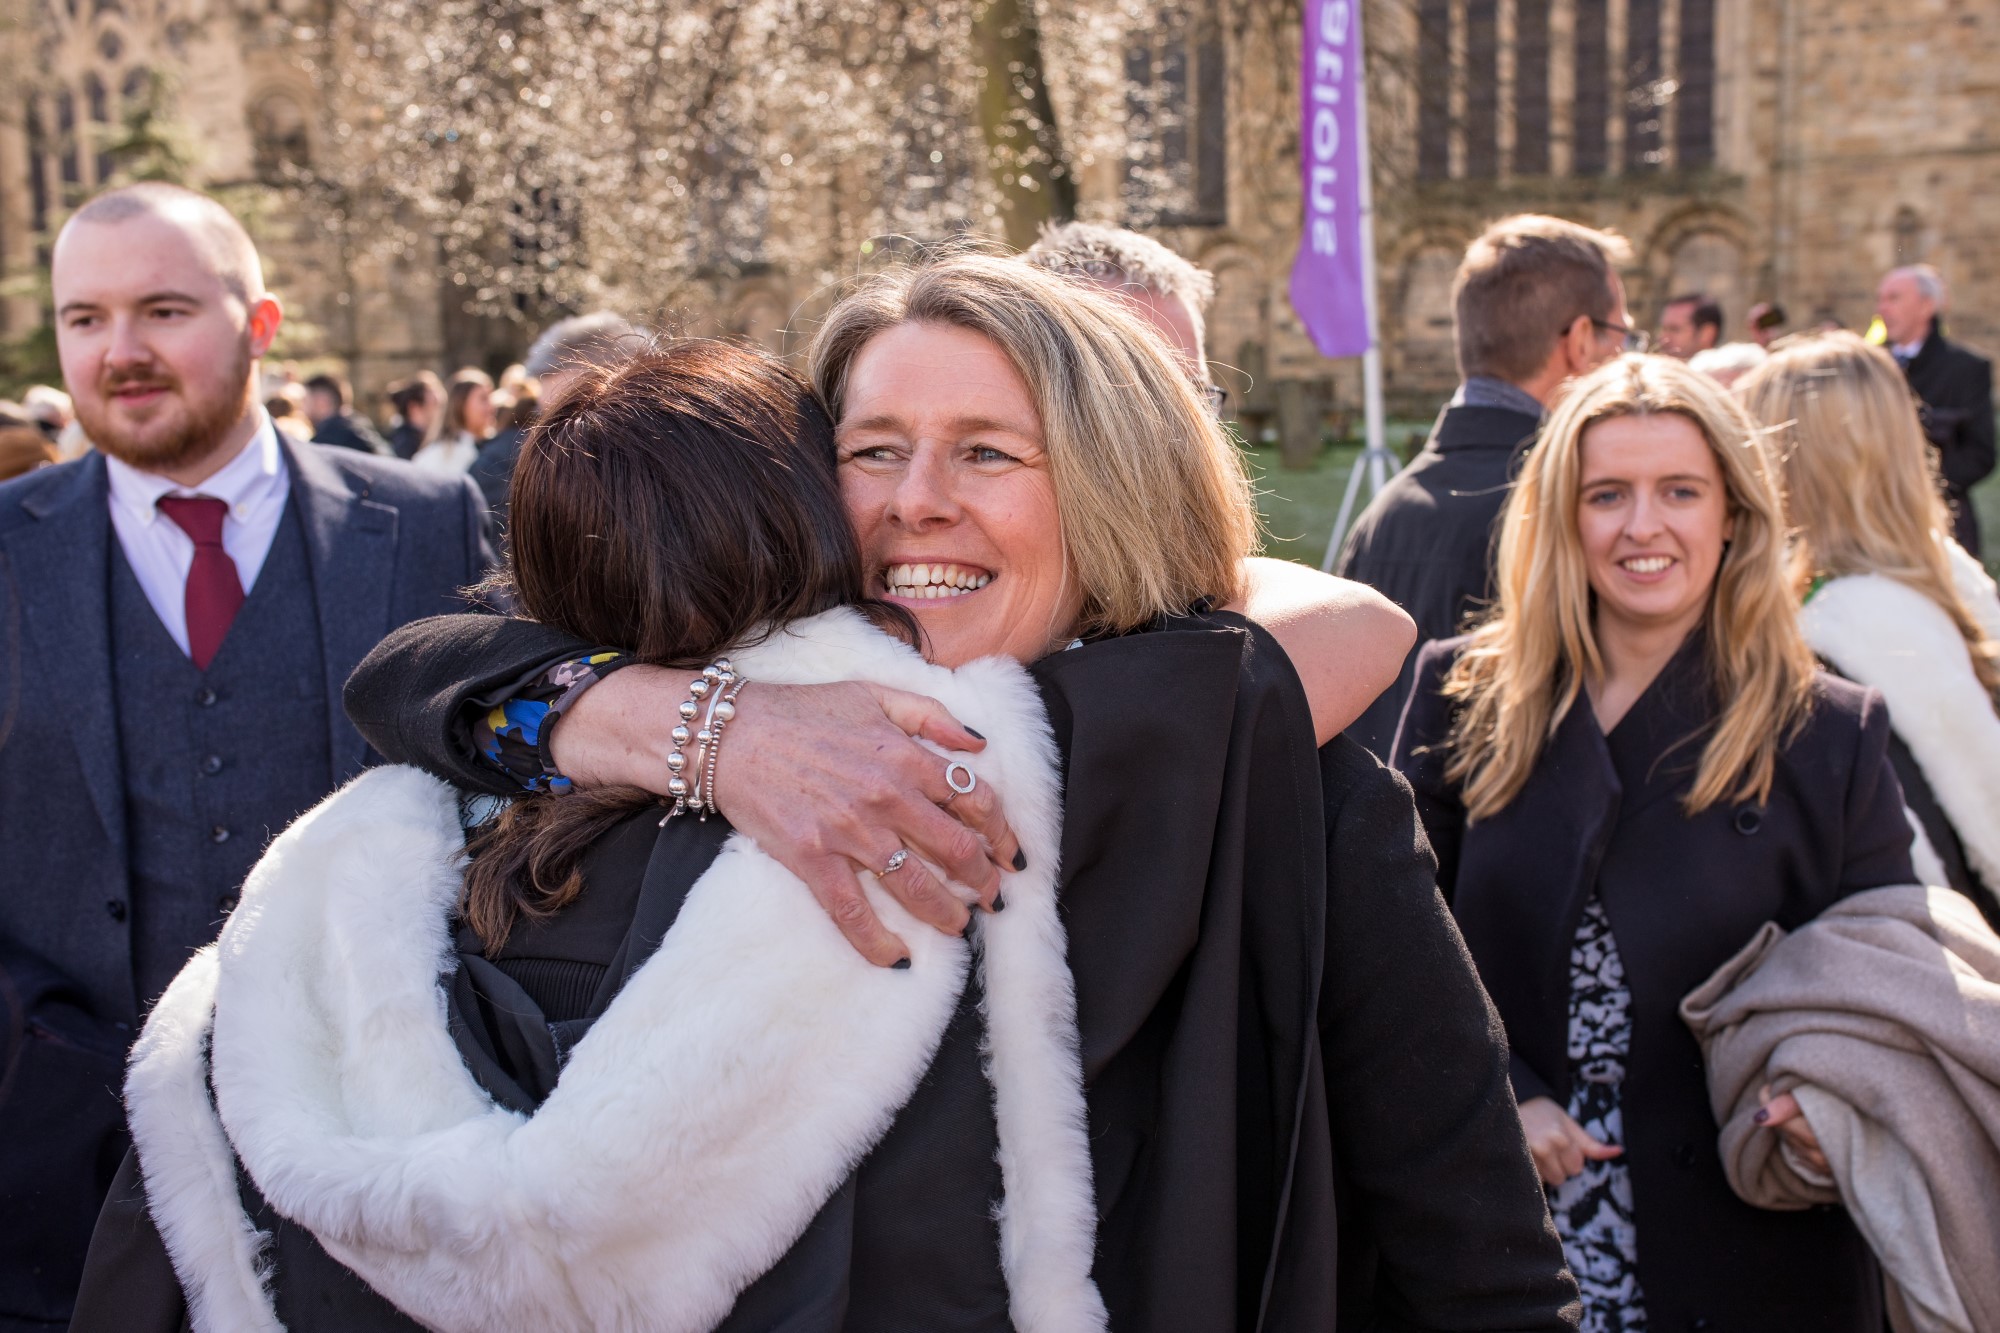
(1298, 508)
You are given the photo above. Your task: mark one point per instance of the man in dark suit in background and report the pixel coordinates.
(573, 344)
(1537, 301)
(326, 404)
(1954, 383)
(178, 613)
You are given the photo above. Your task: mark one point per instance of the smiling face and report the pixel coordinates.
(157, 344)
(946, 478)
(1652, 514)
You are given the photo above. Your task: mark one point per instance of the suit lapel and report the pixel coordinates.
(351, 553)
(62, 584)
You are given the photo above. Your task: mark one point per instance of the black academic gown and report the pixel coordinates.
(1298, 1106)
(1683, 893)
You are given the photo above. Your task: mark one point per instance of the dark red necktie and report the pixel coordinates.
(214, 591)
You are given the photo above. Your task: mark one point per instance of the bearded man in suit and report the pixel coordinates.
(1954, 383)
(181, 608)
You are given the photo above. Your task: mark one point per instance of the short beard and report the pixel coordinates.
(199, 436)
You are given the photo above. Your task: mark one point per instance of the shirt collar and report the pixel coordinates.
(1489, 391)
(246, 483)
(1907, 351)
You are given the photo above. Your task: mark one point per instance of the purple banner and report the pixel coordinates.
(1327, 277)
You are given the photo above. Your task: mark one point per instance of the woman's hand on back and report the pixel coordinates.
(827, 779)
(1558, 1144)
(1346, 641)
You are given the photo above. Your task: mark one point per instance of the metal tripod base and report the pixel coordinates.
(1378, 465)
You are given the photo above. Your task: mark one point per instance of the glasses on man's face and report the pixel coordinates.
(1631, 339)
(1218, 398)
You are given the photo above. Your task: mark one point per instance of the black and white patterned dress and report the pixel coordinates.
(1593, 1211)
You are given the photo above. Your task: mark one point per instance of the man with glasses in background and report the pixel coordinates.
(1537, 301)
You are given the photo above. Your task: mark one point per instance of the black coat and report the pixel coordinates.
(348, 431)
(493, 471)
(1956, 386)
(1683, 894)
(1295, 1086)
(1426, 542)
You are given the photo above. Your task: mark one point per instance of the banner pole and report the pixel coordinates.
(1376, 461)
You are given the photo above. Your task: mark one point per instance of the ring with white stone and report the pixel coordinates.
(895, 863)
(951, 772)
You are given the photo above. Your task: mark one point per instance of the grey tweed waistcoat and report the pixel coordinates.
(216, 762)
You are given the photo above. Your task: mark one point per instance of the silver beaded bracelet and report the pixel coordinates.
(681, 785)
(720, 710)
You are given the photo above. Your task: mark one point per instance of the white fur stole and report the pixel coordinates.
(696, 1129)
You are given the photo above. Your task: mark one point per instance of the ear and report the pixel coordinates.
(1576, 345)
(265, 316)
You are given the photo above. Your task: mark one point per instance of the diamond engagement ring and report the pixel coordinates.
(895, 864)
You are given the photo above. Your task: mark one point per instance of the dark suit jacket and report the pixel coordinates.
(385, 545)
(1602, 814)
(348, 431)
(493, 472)
(1956, 386)
(1426, 542)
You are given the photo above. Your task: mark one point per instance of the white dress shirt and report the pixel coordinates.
(254, 486)
(1906, 352)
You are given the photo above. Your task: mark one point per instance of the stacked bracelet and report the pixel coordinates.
(683, 777)
(720, 710)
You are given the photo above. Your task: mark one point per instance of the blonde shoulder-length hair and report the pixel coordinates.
(1860, 482)
(1154, 503)
(1524, 668)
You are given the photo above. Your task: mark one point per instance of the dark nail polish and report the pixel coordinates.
(1020, 859)
(999, 902)
(965, 931)
(975, 735)
(1763, 1116)
(901, 965)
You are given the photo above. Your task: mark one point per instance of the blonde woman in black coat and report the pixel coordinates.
(1626, 770)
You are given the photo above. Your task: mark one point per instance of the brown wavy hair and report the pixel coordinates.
(679, 505)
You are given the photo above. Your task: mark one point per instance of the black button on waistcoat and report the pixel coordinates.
(115, 909)
(212, 765)
(1684, 1156)
(1749, 819)
(206, 697)
(218, 834)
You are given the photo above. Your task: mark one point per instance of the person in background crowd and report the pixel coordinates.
(23, 444)
(183, 606)
(463, 424)
(1891, 601)
(1689, 324)
(49, 408)
(1765, 323)
(327, 407)
(1169, 292)
(1627, 770)
(1727, 363)
(287, 417)
(1537, 301)
(1955, 384)
(577, 343)
(514, 381)
(415, 402)
(520, 411)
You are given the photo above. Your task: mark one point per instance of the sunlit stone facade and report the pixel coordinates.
(1751, 149)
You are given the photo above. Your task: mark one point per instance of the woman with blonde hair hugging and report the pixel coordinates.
(1890, 599)
(1626, 770)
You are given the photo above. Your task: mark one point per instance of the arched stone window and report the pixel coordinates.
(279, 136)
(1176, 131)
